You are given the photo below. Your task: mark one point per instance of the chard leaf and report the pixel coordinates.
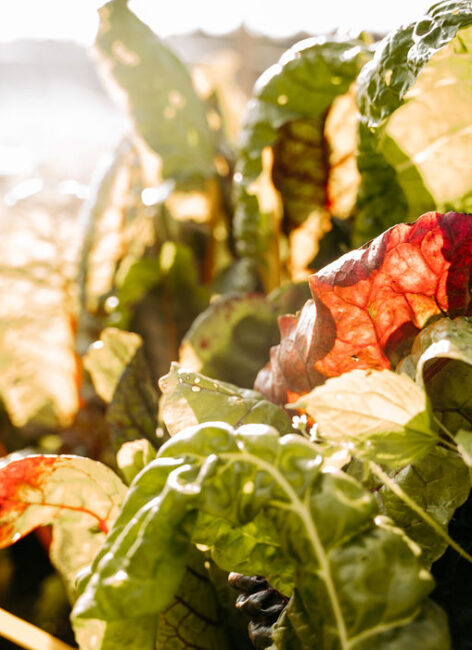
(132, 412)
(378, 415)
(190, 398)
(163, 103)
(289, 119)
(439, 483)
(368, 306)
(79, 497)
(166, 313)
(192, 618)
(115, 221)
(464, 445)
(231, 339)
(133, 456)
(108, 357)
(132, 634)
(415, 98)
(328, 530)
(441, 360)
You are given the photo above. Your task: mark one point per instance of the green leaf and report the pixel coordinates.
(166, 313)
(78, 497)
(328, 529)
(439, 483)
(132, 634)
(441, 360)
(133, 456)
(377, 414)
(108, 357)
(464, 445)
(231, 339)
(140, 278)
(415, 98)
(190, 398)
(289, 114)
(192, 619)
(132, 412)
(114, 222)
(162, 101)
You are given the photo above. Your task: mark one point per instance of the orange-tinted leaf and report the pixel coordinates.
(368, 305)
(78, 496)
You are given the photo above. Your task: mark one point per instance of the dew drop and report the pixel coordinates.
(196, 389)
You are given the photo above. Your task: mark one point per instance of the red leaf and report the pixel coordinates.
(368, 305)
(40, 490)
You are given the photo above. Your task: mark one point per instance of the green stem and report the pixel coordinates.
(397, 490)
(445, 430)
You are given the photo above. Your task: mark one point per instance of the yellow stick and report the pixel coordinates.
(27, 635)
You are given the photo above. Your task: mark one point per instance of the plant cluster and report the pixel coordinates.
(282, 408)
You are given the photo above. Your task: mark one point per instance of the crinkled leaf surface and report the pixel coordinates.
(378, 415)
(327, 530)
(108, 357)
(79, 497)
(288, 113)
(415, 97)
(368, 306)
(231, 339)
(192, 619)
(190, 398)
(165, 107)
(439, 483)
(441, 359)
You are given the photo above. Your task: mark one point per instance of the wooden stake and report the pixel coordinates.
(27, 635)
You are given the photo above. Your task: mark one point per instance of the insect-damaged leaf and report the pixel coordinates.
(368, 306)
(78, 496)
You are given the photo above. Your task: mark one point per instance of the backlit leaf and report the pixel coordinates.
(190, 398)
(231, 339)
(290, 118)
(368, 306)
(79, 497)
(441, 360)
(166, 110)
(107, 358)
(132, 412)
(415, 104)
(378, 415)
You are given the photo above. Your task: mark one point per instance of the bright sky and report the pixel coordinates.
(77, 20)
